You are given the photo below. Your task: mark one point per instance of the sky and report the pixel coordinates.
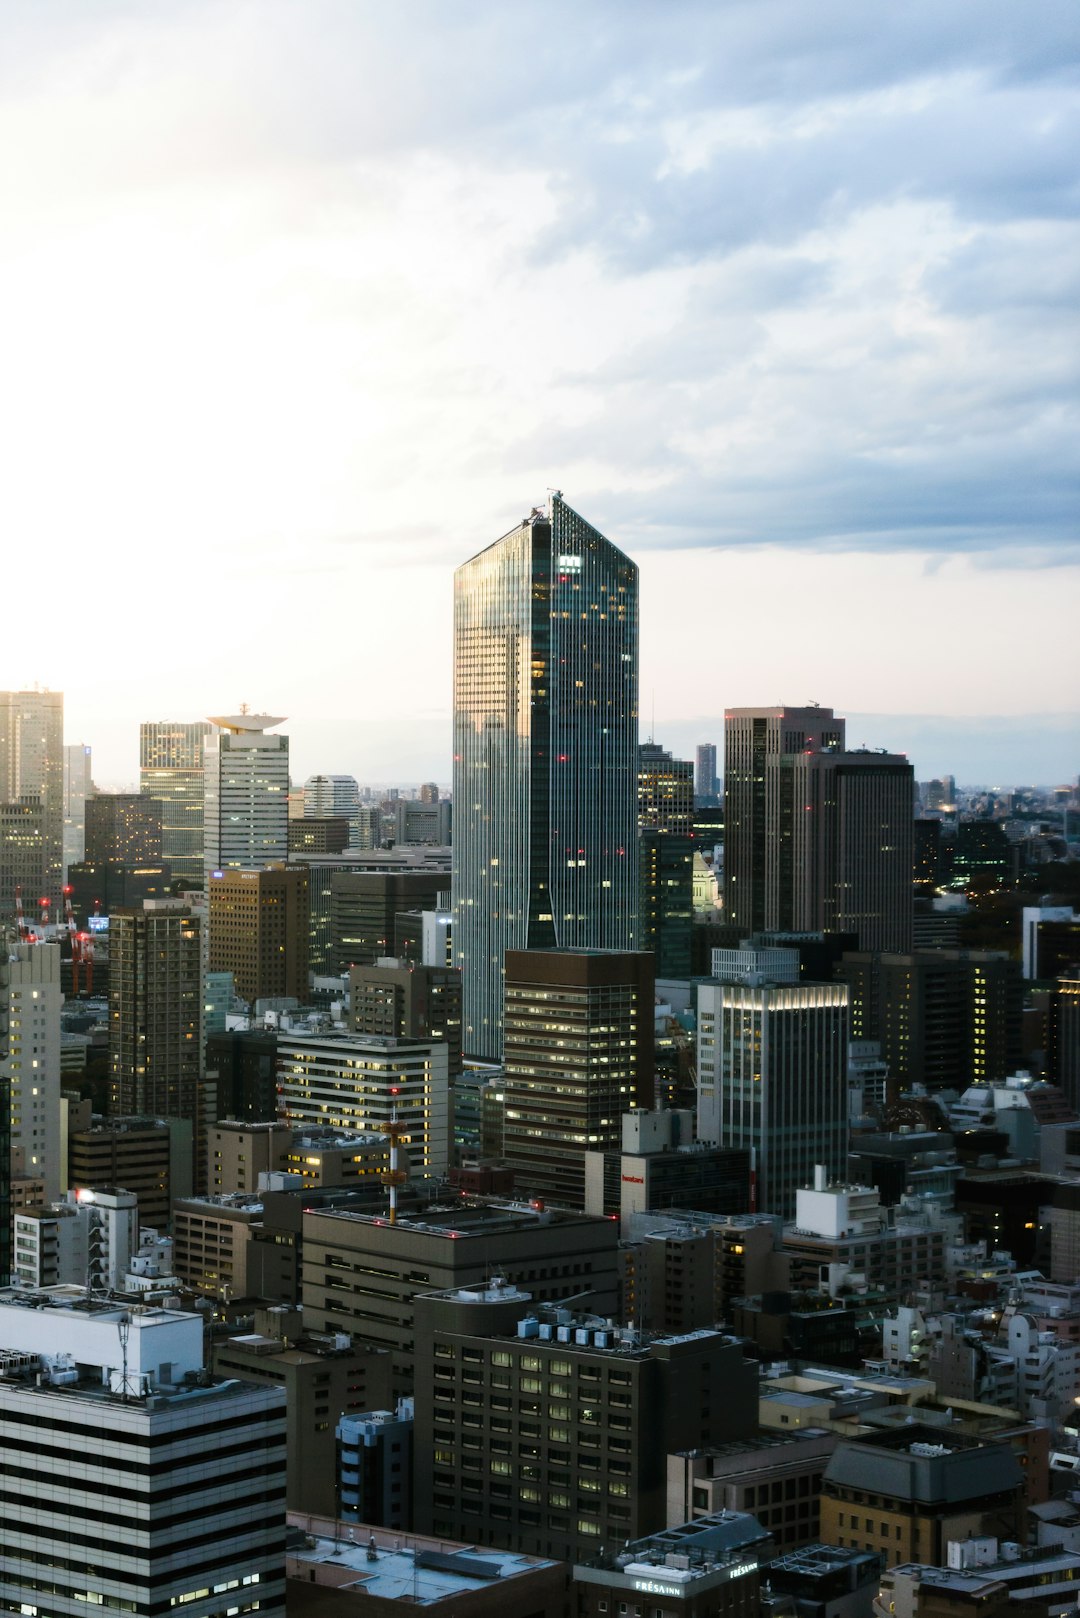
(303, 303)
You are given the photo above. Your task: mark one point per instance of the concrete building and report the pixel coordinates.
(362, 1275)
(579, 1054)
(240, 1152)
(90, 1520)
(260, 931)
(944, 1018)
(661, 1166)
(32, 774)
(423, 824)
(775, 1476)
(171, 773)
(706, 783)
(78, 786)
(374, 1480)
(123, 828)
(334, 1573)
(772, 1077)
(545, 755)
(757, 876)
(713, 1567)
(335, 1157)
(243, 1066)
(910, 1491)
(155, 1010)
(89, 1240)
(492, 1375)
(1050, 941)
(30, 989)
(843, 1239)
(151, 1157)
(327, 835)
(23, 858)
(408, 1000)
(362, 1083)
(363, 907)
(245, 794)
(220, 1252)
(325, 1378)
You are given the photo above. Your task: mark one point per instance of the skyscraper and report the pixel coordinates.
(171, 771)
(665, 821)
(78, 786)
(756, 834)
(705, 782)
(772, 1076)
(545, 754)
(32, 770)
(155, 1010)
(246, 794)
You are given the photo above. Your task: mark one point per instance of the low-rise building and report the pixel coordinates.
(774, 1476)
(374, 1476)
(712, 1567)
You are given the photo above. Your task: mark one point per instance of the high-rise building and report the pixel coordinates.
(545, 754)
(817, 839)
(22, 858)
(665, 822)
(578, 1054)
(260, 931)
(333, 797)
(78, 786)
(123, 828)
(32, 771)
(851, 858)
(246, 791)
(171, 771)
(155, 1010)
(410, 1001)
(772, 1076)
(148, 1156)
(706, 784)
(31, 1069)
(363, 907)
(755, 741)
(5, 1126)
(92, 1519)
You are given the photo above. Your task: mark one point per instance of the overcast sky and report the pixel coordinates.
(304, 303)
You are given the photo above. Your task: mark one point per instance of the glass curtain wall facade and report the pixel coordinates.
(545, 754)
(171, 772)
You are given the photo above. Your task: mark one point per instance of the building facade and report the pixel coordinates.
(545, 754)
(32, 772)
(171, 772)
(260, 931)
(245, 794)
(155, 1010)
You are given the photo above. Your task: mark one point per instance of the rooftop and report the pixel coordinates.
(417, 1574)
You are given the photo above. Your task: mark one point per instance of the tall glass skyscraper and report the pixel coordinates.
(171, 772)
(545, 755)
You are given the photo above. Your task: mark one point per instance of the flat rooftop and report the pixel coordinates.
(403, 1573)
(471, 1219)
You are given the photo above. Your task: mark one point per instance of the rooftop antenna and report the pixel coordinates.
(123, 1327)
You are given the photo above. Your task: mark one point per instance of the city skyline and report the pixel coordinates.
(782, 300)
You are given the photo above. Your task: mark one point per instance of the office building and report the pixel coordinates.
(23, 860)
(1063, 1038)
(909, 1491)
(155, 1010)
(91, 1520)
(560, 1442)
(944, 1018)
(362, 1275)
(78, 786)
(243, 1066)
(335, 796)
(238, 1154)
(123, 828)
(327, 835)
(375, 1467)
(245, 794)
(772, 1077)
(706, 784)
(6, 1199)
(151, 1157)
(776, 1476)
(665, 824)
(363, 907)
(579, 1054)
(325, 1379)
(1051, 941)
(545, 755)
(849, 869)
(423, 824)
(757, 847)
(171, 773)
(660, 1165)
(260, 931)
(715, 1566)
(408, 1001)
(363, 1082)
(30, 988)
(96, 890)
(32, 772)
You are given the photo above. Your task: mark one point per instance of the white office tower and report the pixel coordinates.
(78, 786)
(246, 794)
(363, 1082)
(772, 1076)
(158, 1487)
(30, 985)
(332, 795)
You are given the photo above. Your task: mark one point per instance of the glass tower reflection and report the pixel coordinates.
(545, 754)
